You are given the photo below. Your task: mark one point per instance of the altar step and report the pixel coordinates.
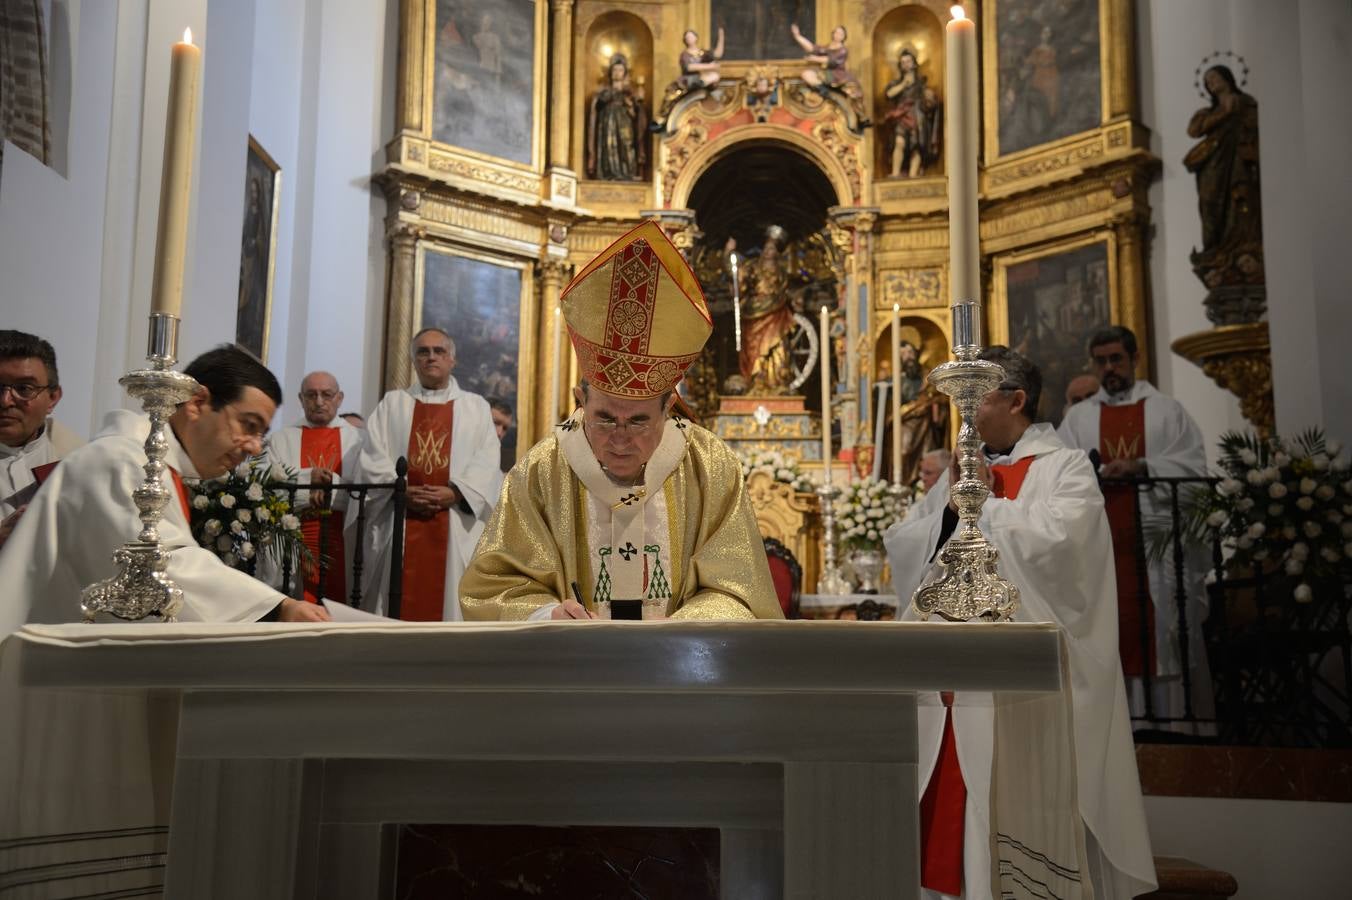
(1182, 879)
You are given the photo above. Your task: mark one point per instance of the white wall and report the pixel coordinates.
(313, 80)
(51, 227)
(1300, 59)
(1274, 848)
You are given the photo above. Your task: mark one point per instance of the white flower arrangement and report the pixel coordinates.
(864, 512)
(243, 515)
(779, 466)
(1283, 502)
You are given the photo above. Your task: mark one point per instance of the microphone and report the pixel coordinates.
(1094, 459)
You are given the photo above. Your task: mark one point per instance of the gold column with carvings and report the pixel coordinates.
(562, 181)
(1131, 280)
(399, 324)
(554, 274)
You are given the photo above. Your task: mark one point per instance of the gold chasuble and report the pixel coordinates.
(686, 533)
(322, 448)
(538, 540)
(1122, 436)
(429, 462)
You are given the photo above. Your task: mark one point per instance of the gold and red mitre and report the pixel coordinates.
(636, 316)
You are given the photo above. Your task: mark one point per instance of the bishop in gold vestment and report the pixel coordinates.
(623, 500)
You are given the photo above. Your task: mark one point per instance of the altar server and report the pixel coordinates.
(322, 449)
(31, 441)
(1137, 431)
(447, 435)
(84, 510)
(1046, 519)
(622, 500)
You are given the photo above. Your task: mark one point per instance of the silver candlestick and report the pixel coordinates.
(971, 586)
(142, 586)
(831, 582)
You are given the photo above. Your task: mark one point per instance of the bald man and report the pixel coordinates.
(321, 449)
(1080, 389)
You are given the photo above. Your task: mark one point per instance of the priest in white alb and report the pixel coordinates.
(1046, 519)
(31, 441)
(84, 510)
(1138, 431)
(448, 437)
(622, 501)
(321, 449)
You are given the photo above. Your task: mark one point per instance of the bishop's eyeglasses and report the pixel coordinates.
(24, 392)
(609, 427)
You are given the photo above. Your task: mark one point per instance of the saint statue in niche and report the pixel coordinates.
(699, 69)
(914, 119)
(1225, 162)
(764, 361)
(923, 411)
(617, 124)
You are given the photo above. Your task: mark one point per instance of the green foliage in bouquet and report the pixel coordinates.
(246, 515)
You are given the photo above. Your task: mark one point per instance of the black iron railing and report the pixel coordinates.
(357, 493)
(1280, 667)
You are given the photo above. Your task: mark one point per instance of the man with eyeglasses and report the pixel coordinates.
(1139, 432)
(84, 510)
(31, 441)
(622, 501)
(321, 448)
(1045, 517)
(447, 435)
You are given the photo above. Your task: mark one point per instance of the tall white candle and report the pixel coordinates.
(963, 134)
(895, 405)
(180, 131)
(825, 333)
(559, 364)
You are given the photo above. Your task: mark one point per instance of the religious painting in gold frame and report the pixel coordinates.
(485, 68)
(484, 303)
(1048, 301)
(1052, 69)
(258, 249)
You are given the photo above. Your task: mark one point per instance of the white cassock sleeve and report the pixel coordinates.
(1173, 446)
(84, 511)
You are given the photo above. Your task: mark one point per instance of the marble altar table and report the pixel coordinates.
(271, 761)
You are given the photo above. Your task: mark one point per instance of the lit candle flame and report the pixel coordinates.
(896, 307)
(187, 35)
(958, 12)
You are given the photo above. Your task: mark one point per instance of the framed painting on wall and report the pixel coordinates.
(485, 95)
(1048, 72)
(761, 30)
(478, 300)
(258, 249)
(1047, 303)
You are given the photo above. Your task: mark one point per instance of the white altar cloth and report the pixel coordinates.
(796, 738)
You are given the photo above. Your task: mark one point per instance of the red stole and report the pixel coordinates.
(943, 807)
(182, 495)
(425, 540)
(1122, 436)
(323, 448)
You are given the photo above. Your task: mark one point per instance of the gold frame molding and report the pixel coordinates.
(526, 385)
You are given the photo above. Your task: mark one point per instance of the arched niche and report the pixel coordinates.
(923, 333)
(918, 28)
(691, 169)
(610, 33)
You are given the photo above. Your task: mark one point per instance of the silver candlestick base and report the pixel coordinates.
(142, 587)
(832, 582)
(971, 586)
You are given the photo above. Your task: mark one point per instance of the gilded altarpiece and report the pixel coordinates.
(1065, 165)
